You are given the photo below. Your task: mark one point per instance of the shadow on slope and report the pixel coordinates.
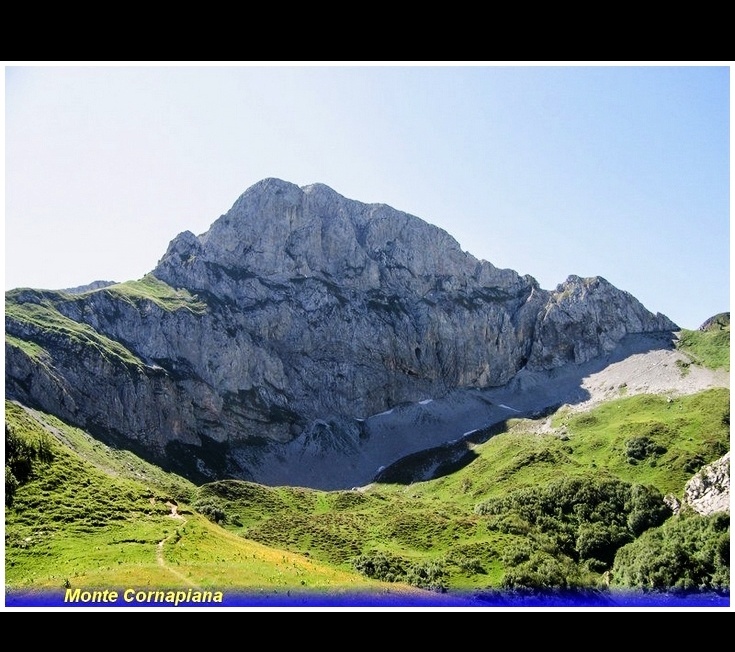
(531, 394)
(433, 436)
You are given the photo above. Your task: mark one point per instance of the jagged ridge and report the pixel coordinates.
(296, 313)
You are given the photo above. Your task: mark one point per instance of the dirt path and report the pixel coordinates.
(159, 549)
(174, 513)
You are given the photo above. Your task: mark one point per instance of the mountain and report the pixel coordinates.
(309, 339)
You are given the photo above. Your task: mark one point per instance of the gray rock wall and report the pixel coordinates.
(708, 491)
(317, 307)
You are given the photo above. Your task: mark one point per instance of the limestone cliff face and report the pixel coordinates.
(586, 317)
(708, 492)
(370, 304)
(297, 307)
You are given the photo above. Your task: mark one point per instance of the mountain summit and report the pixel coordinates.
(277, 333)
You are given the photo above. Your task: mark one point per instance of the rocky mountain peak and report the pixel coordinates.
(585, 317)
(278, 231)
(296, 315)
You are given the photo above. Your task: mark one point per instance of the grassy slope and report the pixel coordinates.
(94, 517)
(436, 520)
(149, 288)
(37, 311)
(45, 321)
(710, 347)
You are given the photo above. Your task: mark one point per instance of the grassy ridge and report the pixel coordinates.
(149, 288)
(44, 322)
(709, 347)
(86, 515)
(35, 318)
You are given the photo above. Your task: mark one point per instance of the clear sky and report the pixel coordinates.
(618, 170)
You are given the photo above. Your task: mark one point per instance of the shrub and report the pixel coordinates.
(544, 571)
(569, 521)
(647, 509)
(640, 448)
(600, 542)
(429, 575)
(689, 552)
(380, 566)
(23, 451)
(213, 511)
(11, 484)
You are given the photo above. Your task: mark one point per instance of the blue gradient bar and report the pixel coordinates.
(214, 598)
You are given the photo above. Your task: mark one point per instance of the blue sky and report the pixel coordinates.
(620, 171)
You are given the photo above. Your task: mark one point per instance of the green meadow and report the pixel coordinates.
(573, 500)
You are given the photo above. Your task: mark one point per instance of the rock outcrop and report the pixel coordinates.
(94, 285)
(718, 322)
(708, 491)
(298, 314)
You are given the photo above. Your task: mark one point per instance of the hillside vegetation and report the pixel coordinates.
(561, 502)
(570, 501)
(541, 510)
(710, 344)
(81, 514)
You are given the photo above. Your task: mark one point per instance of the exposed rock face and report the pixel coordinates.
(94, 285)
(718, 322)
(709, 490)
(298, 312)
(585, 318)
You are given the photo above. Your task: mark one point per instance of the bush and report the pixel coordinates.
(517, 553)
(23, 451)
(213, 511)
(470, 565)
(640, 448)
(647, 509)
(600, 542)
(11, 484)
(510, 523)
(429, 575)
(562, 507)
(544, 571)
(380, 566)
(571, 521)
(689, 552)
